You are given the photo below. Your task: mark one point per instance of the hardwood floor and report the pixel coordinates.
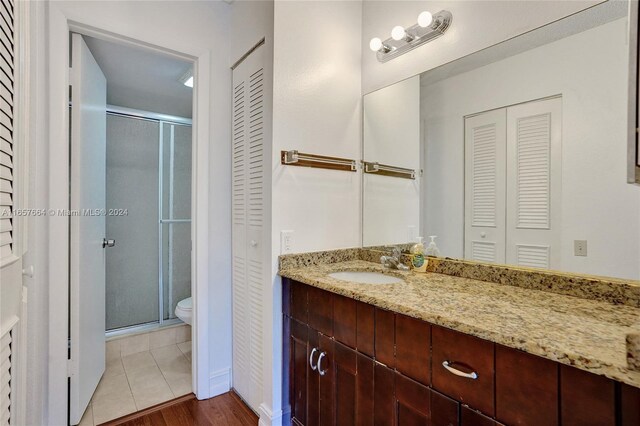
(227, 409)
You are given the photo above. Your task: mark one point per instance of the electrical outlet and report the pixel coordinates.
(580, 247)
(286, 242)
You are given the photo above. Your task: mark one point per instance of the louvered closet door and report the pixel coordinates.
(485, 150)
(534, 132)
(7, 169)
(248, 226)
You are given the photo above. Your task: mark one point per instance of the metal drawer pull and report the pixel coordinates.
(447, 365)
(313, 367)
(320, 370)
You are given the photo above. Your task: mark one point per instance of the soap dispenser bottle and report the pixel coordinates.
(418, 261)
(432, 248)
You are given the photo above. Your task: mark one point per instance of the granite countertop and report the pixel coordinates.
(588, 334)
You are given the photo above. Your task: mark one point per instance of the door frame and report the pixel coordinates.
(58, 250)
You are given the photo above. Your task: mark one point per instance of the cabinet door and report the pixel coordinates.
(526, 388)
(444, 411)
(298, 366)
(345, 376)
(585, 398)
(469, 417)
(326, 372)
(313, 380)
(364, 391)
(384, 405)
(630, 405)
(413, 402)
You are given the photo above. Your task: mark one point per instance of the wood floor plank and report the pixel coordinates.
(226, 409)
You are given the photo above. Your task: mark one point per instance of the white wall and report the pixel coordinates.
(589, 69)
(251, 20)
(391, 206)
(316, 110)
(476, 25)
(202, 28)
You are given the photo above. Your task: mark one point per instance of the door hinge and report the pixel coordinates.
(69, 367)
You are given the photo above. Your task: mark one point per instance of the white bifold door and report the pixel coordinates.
(513, 185)
(248, 252)
(88, 198)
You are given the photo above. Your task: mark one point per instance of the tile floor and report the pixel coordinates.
(141, 371)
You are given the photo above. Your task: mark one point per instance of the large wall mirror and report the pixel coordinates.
(516, 154)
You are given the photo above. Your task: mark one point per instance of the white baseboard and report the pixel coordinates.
(268, 417)
(219, 382)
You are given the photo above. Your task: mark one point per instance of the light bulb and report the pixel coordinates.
(375, 44)
(397, 33)
(425, 19)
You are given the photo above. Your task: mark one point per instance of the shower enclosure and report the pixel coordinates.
(149, 215)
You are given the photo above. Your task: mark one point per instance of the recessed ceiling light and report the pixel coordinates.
(187, 78)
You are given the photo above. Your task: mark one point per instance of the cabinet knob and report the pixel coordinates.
(313, 367)
(483, 235)
(320, 358)
(254, 243)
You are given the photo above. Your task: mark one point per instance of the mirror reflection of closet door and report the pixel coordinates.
(513, 184)
(533, 183)
(485, 161)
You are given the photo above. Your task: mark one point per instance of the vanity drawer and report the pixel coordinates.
(464, 355)
(385, 337)
(320, 307)
(298, 301)
(344, 320)
(413, 348)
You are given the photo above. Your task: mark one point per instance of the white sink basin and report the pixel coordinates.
(365, 277)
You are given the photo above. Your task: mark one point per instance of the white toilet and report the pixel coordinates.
(184, 310)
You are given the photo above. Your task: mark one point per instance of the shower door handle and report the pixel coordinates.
(108, 243)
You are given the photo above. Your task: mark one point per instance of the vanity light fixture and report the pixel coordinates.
(402, 40)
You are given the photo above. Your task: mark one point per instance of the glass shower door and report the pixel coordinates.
(149, 179)
(175, 220)
(132, 184)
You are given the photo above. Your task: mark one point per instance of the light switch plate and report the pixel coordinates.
(286, 242)
(579, 247)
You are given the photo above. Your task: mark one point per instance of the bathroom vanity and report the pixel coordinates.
(441, 349)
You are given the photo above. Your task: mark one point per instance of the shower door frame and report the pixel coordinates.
(61, 21)
(161, 119)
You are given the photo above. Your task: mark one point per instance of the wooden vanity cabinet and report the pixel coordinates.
(385, 368)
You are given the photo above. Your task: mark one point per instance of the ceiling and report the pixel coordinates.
(143, 79)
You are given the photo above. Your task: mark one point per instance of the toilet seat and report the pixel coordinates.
(184, 310)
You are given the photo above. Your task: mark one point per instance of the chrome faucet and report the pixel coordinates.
(394, 261)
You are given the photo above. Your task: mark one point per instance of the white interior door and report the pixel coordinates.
(87, 268)
(534, 133)
(485, 151)
(248, 226)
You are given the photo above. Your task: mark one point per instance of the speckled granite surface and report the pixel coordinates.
(588, 334)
